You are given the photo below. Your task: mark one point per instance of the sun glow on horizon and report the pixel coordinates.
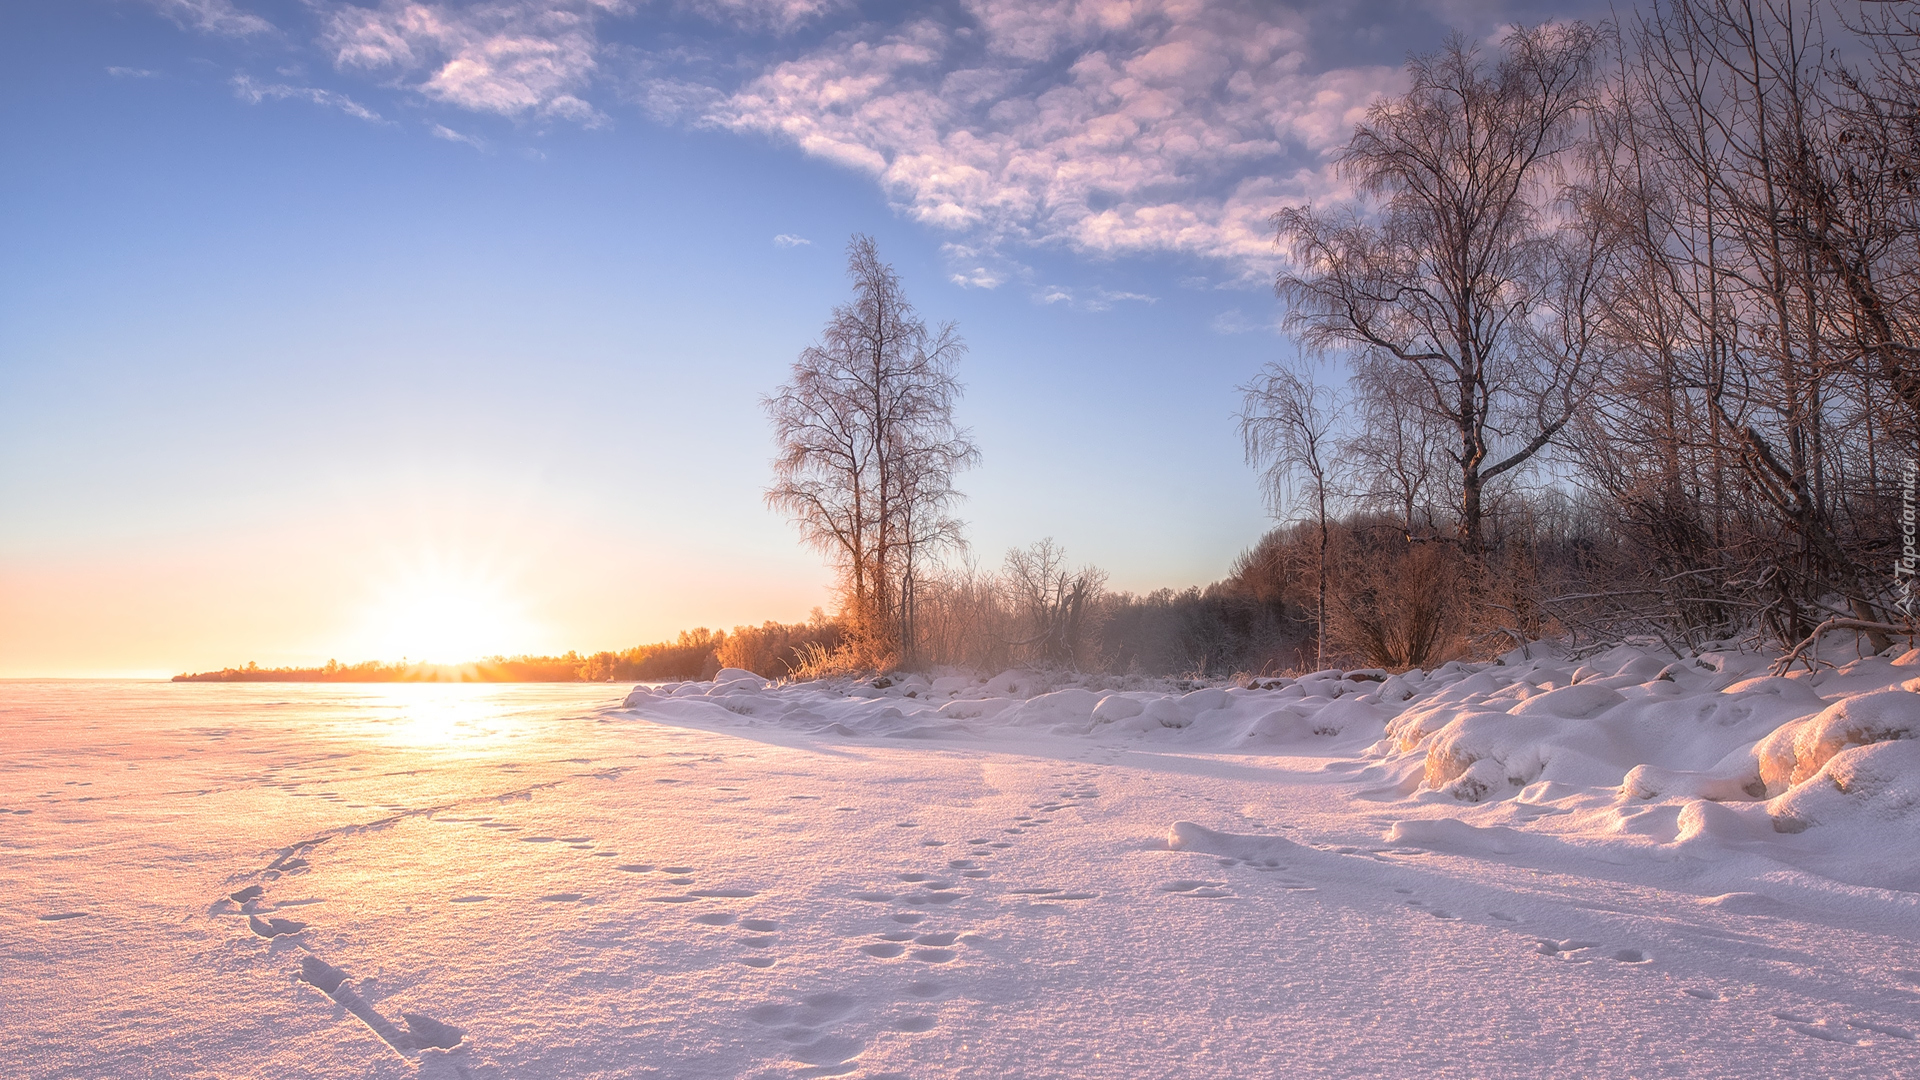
(440, 612)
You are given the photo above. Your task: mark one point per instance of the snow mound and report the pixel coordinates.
(1796, 752)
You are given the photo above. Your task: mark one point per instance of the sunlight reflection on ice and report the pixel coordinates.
(451, 715)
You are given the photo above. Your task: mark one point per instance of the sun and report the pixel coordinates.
(444, 613)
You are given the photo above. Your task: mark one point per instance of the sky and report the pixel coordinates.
(362, 331)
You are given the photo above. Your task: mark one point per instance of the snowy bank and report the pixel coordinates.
(1630, 749)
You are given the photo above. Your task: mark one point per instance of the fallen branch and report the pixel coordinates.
(1811, 641)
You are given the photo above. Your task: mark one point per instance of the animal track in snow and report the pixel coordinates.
(273, 928)
(62, 916)
(800, 1026)
(1209, 890)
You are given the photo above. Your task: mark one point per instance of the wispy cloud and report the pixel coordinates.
(788, 240)
(248, 90)
(1236, 321)
(131, 73)
(979, 277)
(780, 16)
(442, 131)
(1090, 300)
(219, 17)
(510, 57)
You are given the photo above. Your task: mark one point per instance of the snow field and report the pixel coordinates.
(1002, 878)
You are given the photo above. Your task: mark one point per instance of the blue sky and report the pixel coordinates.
(314, 315)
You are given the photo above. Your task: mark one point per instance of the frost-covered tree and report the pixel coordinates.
(1455, 284)
(868, 450)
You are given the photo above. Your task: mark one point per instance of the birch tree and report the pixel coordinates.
(868, 450)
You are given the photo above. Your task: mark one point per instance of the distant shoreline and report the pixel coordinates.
(534, 669)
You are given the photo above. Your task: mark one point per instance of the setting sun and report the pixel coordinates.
(446, 614)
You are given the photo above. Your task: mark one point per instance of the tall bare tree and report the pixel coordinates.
(1457, 286)
(868, 450)
(1287, 424)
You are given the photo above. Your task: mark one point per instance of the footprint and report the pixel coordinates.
(908, 916)
(62, 916)
(635, 868)
(1816, 1029)
(470, 899)
(562, 897)
(763, 941)
(251, 892)
(273, 928)
(760, 925)
(757, 961)
(428, 1032)
(731, 894)
(941, 939)
(1632, 956)
(1502, 916)
(932, 956)
(677, 869)
(1882, 1029)
(885, 950)
(1703, 995)
(714, 918)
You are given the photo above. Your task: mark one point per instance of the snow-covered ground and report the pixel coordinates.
(1618, 867)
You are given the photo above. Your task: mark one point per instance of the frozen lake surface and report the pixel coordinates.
(532, 881)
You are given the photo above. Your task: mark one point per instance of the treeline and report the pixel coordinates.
(1630, 324)
(772, 649)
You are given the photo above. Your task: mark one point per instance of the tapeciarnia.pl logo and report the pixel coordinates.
(1909, 561)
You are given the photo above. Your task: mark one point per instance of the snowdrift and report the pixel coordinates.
(1726, 752)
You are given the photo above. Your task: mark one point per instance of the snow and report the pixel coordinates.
(1624, 864)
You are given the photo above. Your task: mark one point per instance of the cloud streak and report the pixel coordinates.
(218, 17)
(250, 91)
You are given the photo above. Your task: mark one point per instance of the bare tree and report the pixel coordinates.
(1287, 424)
(1055, 603)
(868, 450)
(1461, 288)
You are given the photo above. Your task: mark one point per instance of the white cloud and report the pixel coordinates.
(213, 17)
(248, 90)
(1102, 126)
(131, 73)
(511, 57)
(979, 277)
(441, 131)
(782, 16)
(1153, 125)
(1093, 300)
(788, 240)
